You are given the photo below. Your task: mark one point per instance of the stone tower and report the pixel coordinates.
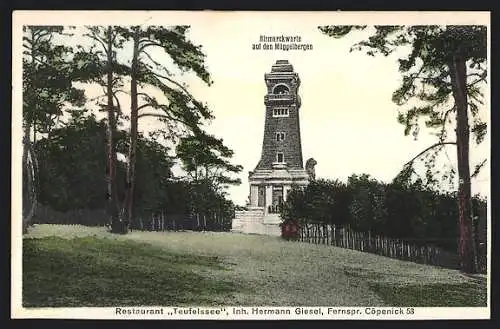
(281, 162)
(281, 144)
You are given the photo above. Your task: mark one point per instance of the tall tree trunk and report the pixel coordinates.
(26, 139)
(131, 175)
(111, 194)
(458, 74)
(29, 112)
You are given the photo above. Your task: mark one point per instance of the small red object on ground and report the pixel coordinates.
(290, 229)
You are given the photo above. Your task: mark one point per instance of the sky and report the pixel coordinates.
(348, 121)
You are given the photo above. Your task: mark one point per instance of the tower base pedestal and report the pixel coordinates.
(253, 221)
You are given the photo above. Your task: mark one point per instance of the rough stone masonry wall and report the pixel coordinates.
(291, 146)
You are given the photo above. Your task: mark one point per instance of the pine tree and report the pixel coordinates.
(443, 72)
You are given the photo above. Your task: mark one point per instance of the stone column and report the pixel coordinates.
(269, 197)
(254, 195)
(285, 192)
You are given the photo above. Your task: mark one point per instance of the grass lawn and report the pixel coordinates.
(90, 271)
(70, 266)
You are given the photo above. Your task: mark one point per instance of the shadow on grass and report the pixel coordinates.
(469, 294)
(86, 272)
(433, 295)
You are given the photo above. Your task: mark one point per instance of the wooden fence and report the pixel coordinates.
(88, 217)
(144, 221)
(344, 237)
(196, 222)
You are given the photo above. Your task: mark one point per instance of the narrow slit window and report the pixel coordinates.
(280, 158)
(280, 137)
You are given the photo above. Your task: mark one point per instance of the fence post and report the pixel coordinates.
(325, 234)
(349, 238)
(346, 237)
(328, 234)
(332, 236)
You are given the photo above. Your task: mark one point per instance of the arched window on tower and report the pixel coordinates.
(280, 136)
(281, 89)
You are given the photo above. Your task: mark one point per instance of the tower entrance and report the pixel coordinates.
(277, 195)
(262, 196)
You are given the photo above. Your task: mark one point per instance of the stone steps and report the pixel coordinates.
(255, 222)
(252, 213)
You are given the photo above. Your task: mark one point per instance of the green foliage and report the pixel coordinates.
(47, 77)
(321, 201)
(73, 155)
(210, 205)
(407, 211)
(367, 206)
(426, 88)
(72, 161)
(205, 157)
(153, 173)
(92, 63)
(181, 110)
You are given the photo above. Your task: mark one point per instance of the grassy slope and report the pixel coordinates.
(90, 271)
(91, 267)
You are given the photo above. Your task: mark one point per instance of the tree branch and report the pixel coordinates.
(128, 93)
(39, 34)
(479, 75)
(475, 82)
(428, 149)
(40, 61)
(143, 106)
(105, 107)
(443, 128)
(147, 44)
(151, 59)
(413, 77)
(175, 83)
(96, 38)
(162, 116)
(157, 115)
(96, 98)
(118, 106)
(477, 169)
